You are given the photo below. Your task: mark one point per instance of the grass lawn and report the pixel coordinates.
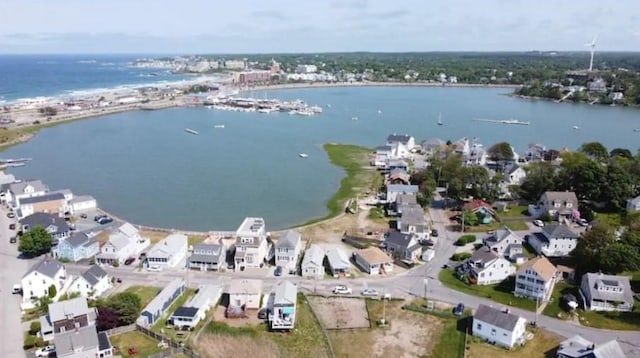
(543, 344)
(195, 239)
(494, 225)
(145, 345)
(519, 211)
(146, 293)
(376, 214)
(554, 308)
(161, 325)
(500, 293)
(451, 337)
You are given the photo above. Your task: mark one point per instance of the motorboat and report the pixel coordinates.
(219, 126)
(576, 127)
(191, 131)
(303, 155)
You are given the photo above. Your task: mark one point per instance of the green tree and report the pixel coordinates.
(501, 152)
(621, 152)
(35, 242)
(53, 291)
(619, 257)
(469, 218)
(127, 305)
(581, 175)
(591, 244)
(619, 187)
(34, 327)
(595, 150)
(540, 177)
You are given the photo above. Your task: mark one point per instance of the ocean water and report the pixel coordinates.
(28, 76)
(142, 166)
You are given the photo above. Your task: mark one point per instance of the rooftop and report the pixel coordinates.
(169, 246)
(402, 188)
(314, 255)
(63, 310)
(205, 294)
(286, 294)
(251, 226)
(373, 255)
(289, 239)
(84, 339)
(401, 138)
(337, 258)
(94, 274)
(558, 230)
(185, 311)
(45, 220)
(18, 188)
(158, 303)
(81, 199)
(42, 198)
(542, 266)
(245, 286)
(45, 267)
(595, 280)
(496, 317)
(399, 239)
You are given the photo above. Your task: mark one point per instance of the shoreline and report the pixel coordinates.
(286, 86)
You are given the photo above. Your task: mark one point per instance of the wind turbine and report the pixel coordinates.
(592, 46)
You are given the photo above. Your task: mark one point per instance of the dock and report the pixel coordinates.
(504, 121)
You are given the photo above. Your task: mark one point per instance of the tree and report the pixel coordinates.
(501, 152)
(48, 111)
(107, 319)
(619, 187)
(469, 218)
(590, 245)
(619, 257)
(34, 328)
(581, 175)
(127, 305)
(540, 177)
(595, 150)
(35, 242)
(53, 291)
(621, 152)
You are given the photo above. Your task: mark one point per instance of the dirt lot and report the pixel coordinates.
(340, 312)
(216, 345)
(251, 320)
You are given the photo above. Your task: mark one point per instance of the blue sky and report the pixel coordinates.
(201, 26)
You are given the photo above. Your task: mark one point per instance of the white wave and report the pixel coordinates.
(86, 61)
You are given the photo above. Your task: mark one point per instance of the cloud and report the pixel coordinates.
(269, 14)
(351, 5)
(389, 15)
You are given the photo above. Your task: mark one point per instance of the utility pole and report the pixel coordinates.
(426, 285)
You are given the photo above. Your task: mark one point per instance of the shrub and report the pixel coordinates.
(53, 291)
(32, 342)
(461, 256)
(465, 239)
(34, 328)
(546, 217)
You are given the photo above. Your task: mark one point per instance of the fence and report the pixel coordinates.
(173, 348)
(119, 330)
(324, 331)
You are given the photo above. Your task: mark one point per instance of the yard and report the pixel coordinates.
(146, 293)
(160, 326)
(543, 344)
(144, 345)
(518, 211)
(501, 293)
(494, 225)
(450, 341)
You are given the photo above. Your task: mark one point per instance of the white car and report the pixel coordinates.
(538, 223)
(154, 268)
(342, 290)
(369, 292)
(45, 351)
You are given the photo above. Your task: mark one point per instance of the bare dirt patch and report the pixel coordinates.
(340, 312)
(215, 345)
(251, 320)
(331, 231)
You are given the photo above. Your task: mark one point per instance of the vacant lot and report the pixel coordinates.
(542, 345)
(146, 293)
(340, 312)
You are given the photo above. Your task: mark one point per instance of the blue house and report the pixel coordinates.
(159, 305)
(78, 247)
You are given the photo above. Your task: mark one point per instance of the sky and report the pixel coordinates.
(292, 26)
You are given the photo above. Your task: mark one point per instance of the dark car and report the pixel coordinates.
(105, 220)
(98, 217)
(278, 271)
(11, 215)
(459, 310)
(119, 280)
(129, 261)
(13, 240)
(434, 233)
(263, 313)
(84, 216)
(12, 226)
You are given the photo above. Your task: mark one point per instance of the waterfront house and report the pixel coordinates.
(383, 154)
(394, 190)
(208, 256)
(124, 242)
(401, 145)
(602, 292)
(373, 261)
(53, 203)
(245, 293)
(499, 327)
(485, 267)
(92, 283)
(14, 192)
(432, 145)
(403, 245)
(337, 261)
(505, 243)
(82, 203)
(397, 164)
(44, 274)
(412, 221)
(476, 155)
(169, 252)
(191, 313)
(598, 85)
(77, 247)
(65, 316)
(287, 250)
(461, 146)
(561, 205)
(251, 244)
(398, 176)
(535, 152)
(161, 303)
(555, 240)
(633, 204)
(536, 279)
(312, 265)
(579, 347)
(483, 210)
(282, 315)
(53, 224)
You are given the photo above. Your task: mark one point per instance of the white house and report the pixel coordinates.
(401, 145)
(188, 315)
(169, 252)
(485, 267)
(251, 244)
(514, 175)
(82, 203)
(337, 261)
(578, 347)
(633, 204)
(245, 293)
(602, 292)
(24, 189)
(505, 243)
(124, 242)
(383, 154)
(282, 314)
(536, 279)
(208, 256)
(412, 221)
(313, 262)
(555, 240)
(373, 261)
(91, 283)
(44, 274)
(393, 190)
(287, 250)
(500, 327)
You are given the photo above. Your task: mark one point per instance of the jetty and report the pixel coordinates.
(504, 121)
(17, 160)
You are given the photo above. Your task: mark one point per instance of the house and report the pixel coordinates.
(412, 221)
(91, 283)
(251, 244)
(245, 293)
(505, 243)
(461, 146)
(555, 240)
(578, 347)
(535, 152)
(312, 265)
(397, 164)
(82, 203)
(483, 210)
(559, 204)
(597, 85)
(394, 190)
(432, 145)
(55, 225)
(498, 327)
(169, 252)
(514, 175)
(159, 305)
(485, 267)
(536, 279)
(383, 155)
(403, 245)
(105, 349)
(401, 144)
(14, 192)
(44, 274)
(53, 203)
(373, 261)
(208, 256)
(77, 247)
(287, 250)
(337, 261)
(602, 292)
(398, 176)
(476, 155)
(81, 343)
(67, 316)
(282, 315)
(190, 314)
(633, 204)
(124, 242)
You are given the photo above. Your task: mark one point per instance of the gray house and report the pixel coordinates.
(505, 242)
(55, 225)
(412, 221)
(633, 204)
(159, 305)
(601, 292)
(559, 204)
(313, 263)
(404, 201)
(81, 343)
(287, 250)
(338, 261)
(208, 257)
(402, 245)
(579, 347)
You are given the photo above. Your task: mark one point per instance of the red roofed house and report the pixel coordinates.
(485, 211)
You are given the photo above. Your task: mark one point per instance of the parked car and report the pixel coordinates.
(278, 271)
(129, 261)
(459, 310)
(434, 233)
(119, 280)
(583, 222)
(11, 215)
(263, 313)
(98, 217)
(369, 292)
(105, 220)
(13, 240)
(12, 226)
(538, 223)
(17, 289)
(84, 216)
(45, 351)
(154, 268)
(342, 290)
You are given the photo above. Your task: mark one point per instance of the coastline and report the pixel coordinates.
(286, 86)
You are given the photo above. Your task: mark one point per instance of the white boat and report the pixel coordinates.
(191, 131)
(379, 111)
(329, 105)
(440, 119)
(636, 130)
(219, 126)
(354, 118)
(303, 155)
(576, 127)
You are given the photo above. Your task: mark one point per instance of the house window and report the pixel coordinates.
(479, 326)
(493, 332)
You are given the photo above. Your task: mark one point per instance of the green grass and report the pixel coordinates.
(451, 339)
(146, 293)
(143, 344)
(376, 214)
(611, 219)
(554, 308)
(519, 211)
(494, 225)
(224, 329)
(161, 324)
(500, 293)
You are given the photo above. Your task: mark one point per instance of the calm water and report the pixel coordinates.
(143, 166)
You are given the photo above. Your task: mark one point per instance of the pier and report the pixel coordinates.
(267, 106)
(504, 121)
(17, 160)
